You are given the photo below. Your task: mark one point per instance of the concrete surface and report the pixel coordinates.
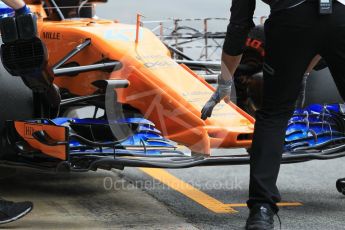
(85, 201)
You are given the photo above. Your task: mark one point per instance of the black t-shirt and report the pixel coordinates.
(241, 21)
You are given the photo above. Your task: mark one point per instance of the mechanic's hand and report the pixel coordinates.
(223, 91)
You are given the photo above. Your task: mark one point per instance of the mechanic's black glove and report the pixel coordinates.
(223, 91)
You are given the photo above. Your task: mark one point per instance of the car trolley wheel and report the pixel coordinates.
(341, 185)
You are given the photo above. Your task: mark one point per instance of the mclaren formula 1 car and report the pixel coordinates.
(97, 94)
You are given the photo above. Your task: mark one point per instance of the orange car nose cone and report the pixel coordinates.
(168, 94)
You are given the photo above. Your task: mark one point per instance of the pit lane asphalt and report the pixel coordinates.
(131, 199)
(311, 183)
(80, 201)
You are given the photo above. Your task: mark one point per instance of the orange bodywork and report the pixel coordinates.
(58, 133)
(168, 94)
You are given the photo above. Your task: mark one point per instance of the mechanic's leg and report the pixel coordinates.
(334, 55)
(334, 52)
(289, 50)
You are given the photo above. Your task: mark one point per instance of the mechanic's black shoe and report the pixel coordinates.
(10, 211)
(260, 218)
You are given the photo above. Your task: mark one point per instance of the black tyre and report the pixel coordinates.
(321, 88)
(249, 88)
(16, 101)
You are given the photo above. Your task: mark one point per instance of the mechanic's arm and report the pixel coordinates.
(241, 22)
(18, 5)
(302, 94)
(313, 63)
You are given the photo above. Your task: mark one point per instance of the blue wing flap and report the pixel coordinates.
(315, 126)
(145, 136)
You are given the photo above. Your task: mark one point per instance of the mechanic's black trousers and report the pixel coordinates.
(293, 37)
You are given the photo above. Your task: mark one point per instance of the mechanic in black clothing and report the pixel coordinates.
(10, 211)
(295, 33)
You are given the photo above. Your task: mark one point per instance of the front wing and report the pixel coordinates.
(78, 145)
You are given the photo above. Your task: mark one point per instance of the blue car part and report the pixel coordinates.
(6, 11)
(316, 126)
(143, 136)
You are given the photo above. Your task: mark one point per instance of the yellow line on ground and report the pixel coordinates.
(198, 196)
(292, 204)
(189, 191)
(285, 204)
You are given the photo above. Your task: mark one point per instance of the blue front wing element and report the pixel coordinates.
(315, 128)
(144, 140)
